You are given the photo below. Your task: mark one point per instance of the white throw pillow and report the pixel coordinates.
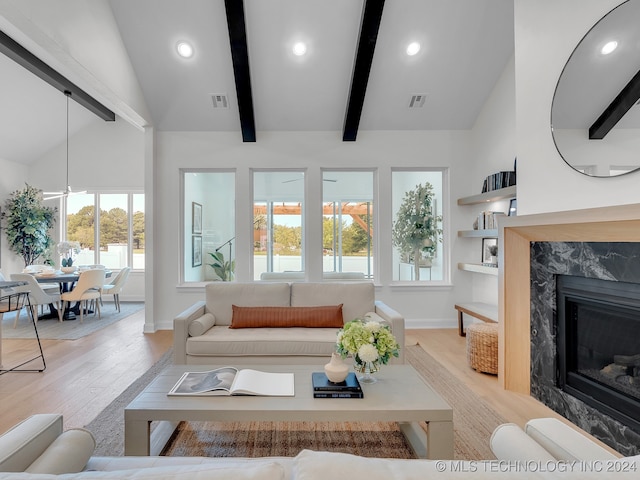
(200, 325)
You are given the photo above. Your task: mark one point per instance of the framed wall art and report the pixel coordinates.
(196, 250)
(196, 218)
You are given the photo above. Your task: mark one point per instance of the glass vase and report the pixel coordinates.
(365, 371)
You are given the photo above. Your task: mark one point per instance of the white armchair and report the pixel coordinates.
(37, 295)
(116, 285)
(88, 287)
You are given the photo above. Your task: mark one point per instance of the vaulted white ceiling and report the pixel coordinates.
(465, 47)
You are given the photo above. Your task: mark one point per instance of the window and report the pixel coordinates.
(347, 224)
(208, 226)
(278, 215)
(417, 234)
(113, 222)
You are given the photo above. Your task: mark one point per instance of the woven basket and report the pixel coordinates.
(482, 347)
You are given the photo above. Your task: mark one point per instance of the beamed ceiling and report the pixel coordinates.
(354, 77)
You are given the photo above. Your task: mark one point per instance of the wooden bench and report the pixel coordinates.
(479, 310)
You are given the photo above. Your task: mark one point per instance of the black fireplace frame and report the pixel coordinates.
(621, 297)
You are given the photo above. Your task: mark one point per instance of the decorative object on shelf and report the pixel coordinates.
(27, 222)
(490, 251)
(336, 370)
(67, 250)
(513, 207)
(415, 232)
(371, 344)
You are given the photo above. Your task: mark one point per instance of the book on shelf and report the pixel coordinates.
(499, 180)
(321, 383)
(488, 220)
(232, 381)
(336, 394)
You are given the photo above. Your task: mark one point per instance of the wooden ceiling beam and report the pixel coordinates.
(240, 58)
(28, 60)
(626, 99)
(369, 26)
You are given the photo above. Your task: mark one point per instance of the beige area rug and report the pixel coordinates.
(69, 329)
(474, 421)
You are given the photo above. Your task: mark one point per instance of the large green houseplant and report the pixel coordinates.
(27, 224)
(416, 229)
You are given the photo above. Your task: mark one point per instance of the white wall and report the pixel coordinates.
(379, 150)
(81, 40)
(12, 177)
(493, 149)
(105, 156)
(546, 33)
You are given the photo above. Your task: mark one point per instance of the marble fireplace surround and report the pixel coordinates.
(608, 224)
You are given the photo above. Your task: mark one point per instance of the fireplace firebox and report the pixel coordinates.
(598, 345)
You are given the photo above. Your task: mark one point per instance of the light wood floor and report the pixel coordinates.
(83, 376)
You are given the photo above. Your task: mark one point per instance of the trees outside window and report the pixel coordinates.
(104, 219)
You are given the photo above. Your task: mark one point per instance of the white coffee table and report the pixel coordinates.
(400, 396)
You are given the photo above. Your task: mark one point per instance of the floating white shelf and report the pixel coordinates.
(478, 233)
(487, 197)
(478, 268)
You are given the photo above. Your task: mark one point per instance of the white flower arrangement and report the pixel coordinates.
(66, 250)
(368, 341)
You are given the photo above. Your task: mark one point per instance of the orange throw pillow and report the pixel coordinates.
(313, 317)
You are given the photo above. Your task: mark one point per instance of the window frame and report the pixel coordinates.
(96, 230)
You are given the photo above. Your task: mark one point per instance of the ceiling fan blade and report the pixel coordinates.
(58, 195)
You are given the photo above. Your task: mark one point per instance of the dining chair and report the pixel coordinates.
(116, 285)
(87, 288)
(37, 295)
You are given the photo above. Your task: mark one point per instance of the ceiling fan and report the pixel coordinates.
(67, 191)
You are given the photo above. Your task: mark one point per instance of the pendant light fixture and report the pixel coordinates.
(67, 190)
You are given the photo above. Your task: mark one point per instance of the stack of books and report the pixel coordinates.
(323, 388)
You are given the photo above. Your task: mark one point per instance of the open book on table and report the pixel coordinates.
(231, 381)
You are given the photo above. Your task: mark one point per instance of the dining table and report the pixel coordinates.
(66, 281)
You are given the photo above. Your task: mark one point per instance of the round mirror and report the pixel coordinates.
(595, 117)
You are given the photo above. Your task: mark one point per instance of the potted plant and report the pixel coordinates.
(27, 224)
(416, 232)
(223, 269)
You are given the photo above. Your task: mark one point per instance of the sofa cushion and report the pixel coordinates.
(564, 442)
(284, 317)
(225, 341)
(220, 296)
(201, 324)
(509, 442)
(25, 442)
(69, 453)
(357, 298)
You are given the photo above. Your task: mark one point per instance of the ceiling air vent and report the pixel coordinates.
(417, 100)
(220, 100)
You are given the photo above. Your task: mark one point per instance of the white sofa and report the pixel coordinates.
(38, 448)
(201, 334)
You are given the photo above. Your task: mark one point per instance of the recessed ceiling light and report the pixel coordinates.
(609, 47)
(185, 50)
(413, 48)
(299, 49)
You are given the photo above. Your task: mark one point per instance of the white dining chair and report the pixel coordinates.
(87, 288)
(116, 285)
(37, 295)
